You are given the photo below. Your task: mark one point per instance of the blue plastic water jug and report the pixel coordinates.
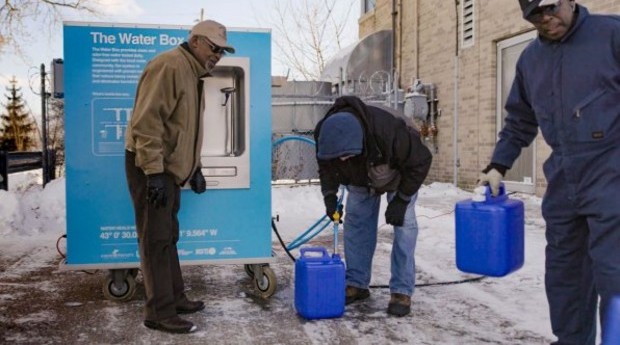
(319, 284)
(612, 323)
(489, 234)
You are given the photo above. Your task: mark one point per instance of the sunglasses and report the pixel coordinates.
(537, 15)
(215, 49)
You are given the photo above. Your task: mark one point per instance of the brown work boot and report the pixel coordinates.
(400, 305)
(171, 325)
(188, 307)
(353, 294)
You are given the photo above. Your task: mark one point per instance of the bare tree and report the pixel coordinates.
(309, 32)
(16, 14)
(56, 130)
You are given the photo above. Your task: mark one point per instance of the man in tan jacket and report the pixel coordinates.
(163, 144)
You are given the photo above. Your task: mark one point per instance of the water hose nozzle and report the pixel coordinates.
(336, 217)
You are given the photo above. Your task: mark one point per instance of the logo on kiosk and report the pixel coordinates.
(115, 255)
(228, 251)
(206, 251)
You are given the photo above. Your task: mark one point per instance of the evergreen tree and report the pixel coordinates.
(17, 128)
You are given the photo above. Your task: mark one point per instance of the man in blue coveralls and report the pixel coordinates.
(568, 83)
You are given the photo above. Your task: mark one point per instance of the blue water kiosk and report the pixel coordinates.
(228, 224)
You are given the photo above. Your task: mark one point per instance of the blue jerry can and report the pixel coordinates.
(612, 323)
(319, 284)
(489, 234)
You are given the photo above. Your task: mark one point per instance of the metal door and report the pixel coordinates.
(522, 176)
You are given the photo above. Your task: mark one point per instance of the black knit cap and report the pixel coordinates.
(341, 134)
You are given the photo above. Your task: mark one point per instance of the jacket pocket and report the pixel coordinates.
(596, 116)
(383, 178)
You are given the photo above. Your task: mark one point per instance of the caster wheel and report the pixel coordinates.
(266, 285)
(249, 270)
(119, 292)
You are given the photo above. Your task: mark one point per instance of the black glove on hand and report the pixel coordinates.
(331, 206)
(197, 182)
(395, 213)
(156, 190)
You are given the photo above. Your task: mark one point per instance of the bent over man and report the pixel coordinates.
(372, 150)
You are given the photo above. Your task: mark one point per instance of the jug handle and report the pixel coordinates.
(320, 250)
(501, 195)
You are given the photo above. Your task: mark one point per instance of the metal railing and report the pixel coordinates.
(14, 162)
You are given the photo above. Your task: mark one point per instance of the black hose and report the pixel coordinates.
(453, 282)
(275, 229)
(64, 256)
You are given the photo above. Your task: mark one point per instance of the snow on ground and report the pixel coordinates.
(509, 310)
(31, 218)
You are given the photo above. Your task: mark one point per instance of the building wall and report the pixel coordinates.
(426, 41)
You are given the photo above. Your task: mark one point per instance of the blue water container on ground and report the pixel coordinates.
(319, 284)
(489, 234)
(612, 323)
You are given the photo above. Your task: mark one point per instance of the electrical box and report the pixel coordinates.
(58, 90)
(416, 105)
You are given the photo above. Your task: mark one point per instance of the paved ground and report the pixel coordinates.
(49, 306)
(43, 305)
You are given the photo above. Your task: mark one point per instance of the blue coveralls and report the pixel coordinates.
(571, 90)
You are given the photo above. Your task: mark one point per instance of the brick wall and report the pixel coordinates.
(426, 49)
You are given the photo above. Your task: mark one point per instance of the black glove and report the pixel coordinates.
(395, 213)
(156, 190)
(331, 207)
(197, 182)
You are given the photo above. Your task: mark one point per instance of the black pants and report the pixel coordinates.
(158, 233)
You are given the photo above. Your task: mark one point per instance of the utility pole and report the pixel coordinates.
(44, 158)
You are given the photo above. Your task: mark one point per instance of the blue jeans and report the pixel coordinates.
(360, 241)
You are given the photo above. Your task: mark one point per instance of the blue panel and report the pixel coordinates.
(102, 65)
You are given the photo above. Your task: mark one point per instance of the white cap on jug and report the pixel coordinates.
(479, 194)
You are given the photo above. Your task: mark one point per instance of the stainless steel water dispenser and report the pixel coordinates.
(225, 149)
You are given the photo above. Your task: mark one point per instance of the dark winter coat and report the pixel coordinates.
(388, 140)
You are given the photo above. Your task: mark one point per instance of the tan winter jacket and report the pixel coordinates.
(165, 130)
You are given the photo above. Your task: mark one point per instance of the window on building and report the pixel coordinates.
(467, 27)
(368, 5)
(521, 177)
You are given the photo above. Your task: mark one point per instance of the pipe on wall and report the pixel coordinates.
(400, 38)
(394, 73)
(417, 39)
(394, 15)
(455, 141)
